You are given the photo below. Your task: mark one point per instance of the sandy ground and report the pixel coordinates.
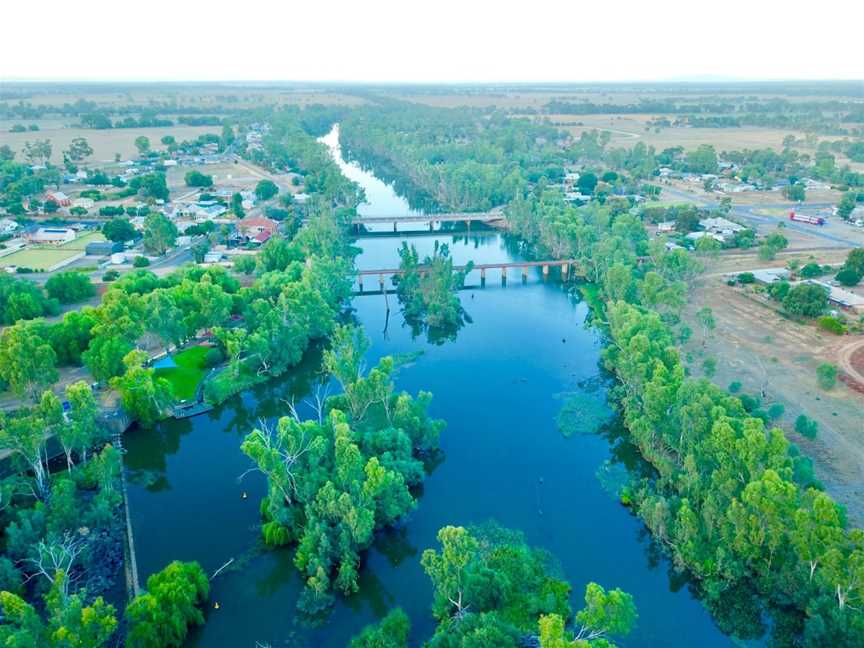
(753, 344)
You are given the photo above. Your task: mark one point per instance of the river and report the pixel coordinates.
(500, 386)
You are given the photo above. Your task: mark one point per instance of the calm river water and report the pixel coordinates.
(500, 386)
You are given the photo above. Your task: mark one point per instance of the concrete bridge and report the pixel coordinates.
(564, 264)
(431, 219)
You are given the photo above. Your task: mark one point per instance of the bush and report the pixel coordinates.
(831, 324)
(776, 410)
(213, 357)
(734, 387)
(111, 275)
(198, 179)
(140, 262)
(826, 375)
(806, 427)
(70, 287)
(746, 278)
(750, 403)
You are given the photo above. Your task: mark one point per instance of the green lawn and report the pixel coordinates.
(81, 242)
(190, 370)
(38, 258)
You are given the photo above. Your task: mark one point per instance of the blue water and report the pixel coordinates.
(500, 386)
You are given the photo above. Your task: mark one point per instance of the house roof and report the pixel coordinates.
(263, 223)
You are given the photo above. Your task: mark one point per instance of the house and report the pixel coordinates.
(7, 226)
(213, 257)
(84, 203)
(102, 248)
(666, 227)
(695, 236)
(53, 235)
(58, 197)
(722, 226)
(767, 275)
(257, 230)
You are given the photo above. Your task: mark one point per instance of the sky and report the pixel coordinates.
(430, 41)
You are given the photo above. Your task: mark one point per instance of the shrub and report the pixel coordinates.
(826, 375)
(806, 427)
(831, 324)
(734, 386)
(141, 262)
(111, 275)
(746, 278)
(776, 410)
(213, 357)
(750, 403)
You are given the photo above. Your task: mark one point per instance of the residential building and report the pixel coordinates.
(53, 235)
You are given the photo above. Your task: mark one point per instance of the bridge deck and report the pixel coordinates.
(427, 218)
(478, 266)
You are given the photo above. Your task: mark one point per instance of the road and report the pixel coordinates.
(747, 213)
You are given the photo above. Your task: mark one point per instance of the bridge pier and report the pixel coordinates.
(545, 272)
(381, 282)
(394, 226)
(524, 274)
(503, 276)
(360, 282)
(564, 270)
(482, 277)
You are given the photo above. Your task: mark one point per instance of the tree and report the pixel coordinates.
(848, 277)
(200, 249)
(70, 287)
(160, 234)
(245, 264)
(198, 179)
(847, 204)
(772, 244)
(855, 261)
(237, 205)
(145, 397)
(27, 361)
(162, 615)
(165, 318)
(71, 622)
(6, 153)
(795, 191)
(447, 570)
(702, 160)
(806, 426)
(826, 375)
(168, 140)
(705, 317)
(266, 189)
(83, 430)
(391, 632)
(806, 299)
(142, 143)
(150, 186)
(78, 150)
(38, 152)
(119, 230)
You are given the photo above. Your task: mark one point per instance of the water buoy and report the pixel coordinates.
(216, 605)
(243, 496)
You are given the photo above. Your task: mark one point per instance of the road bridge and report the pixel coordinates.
(431, 219)
(566, 265)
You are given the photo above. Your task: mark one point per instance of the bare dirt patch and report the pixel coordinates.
(755, 345)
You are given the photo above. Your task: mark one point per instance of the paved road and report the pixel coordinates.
(748, 213)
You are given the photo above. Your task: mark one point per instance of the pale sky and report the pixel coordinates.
(432, 41)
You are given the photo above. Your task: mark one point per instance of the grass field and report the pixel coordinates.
(190, 370)
(105, 143)
(39, 258)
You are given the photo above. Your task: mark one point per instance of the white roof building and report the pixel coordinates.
(7, 226)
(53, 235)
